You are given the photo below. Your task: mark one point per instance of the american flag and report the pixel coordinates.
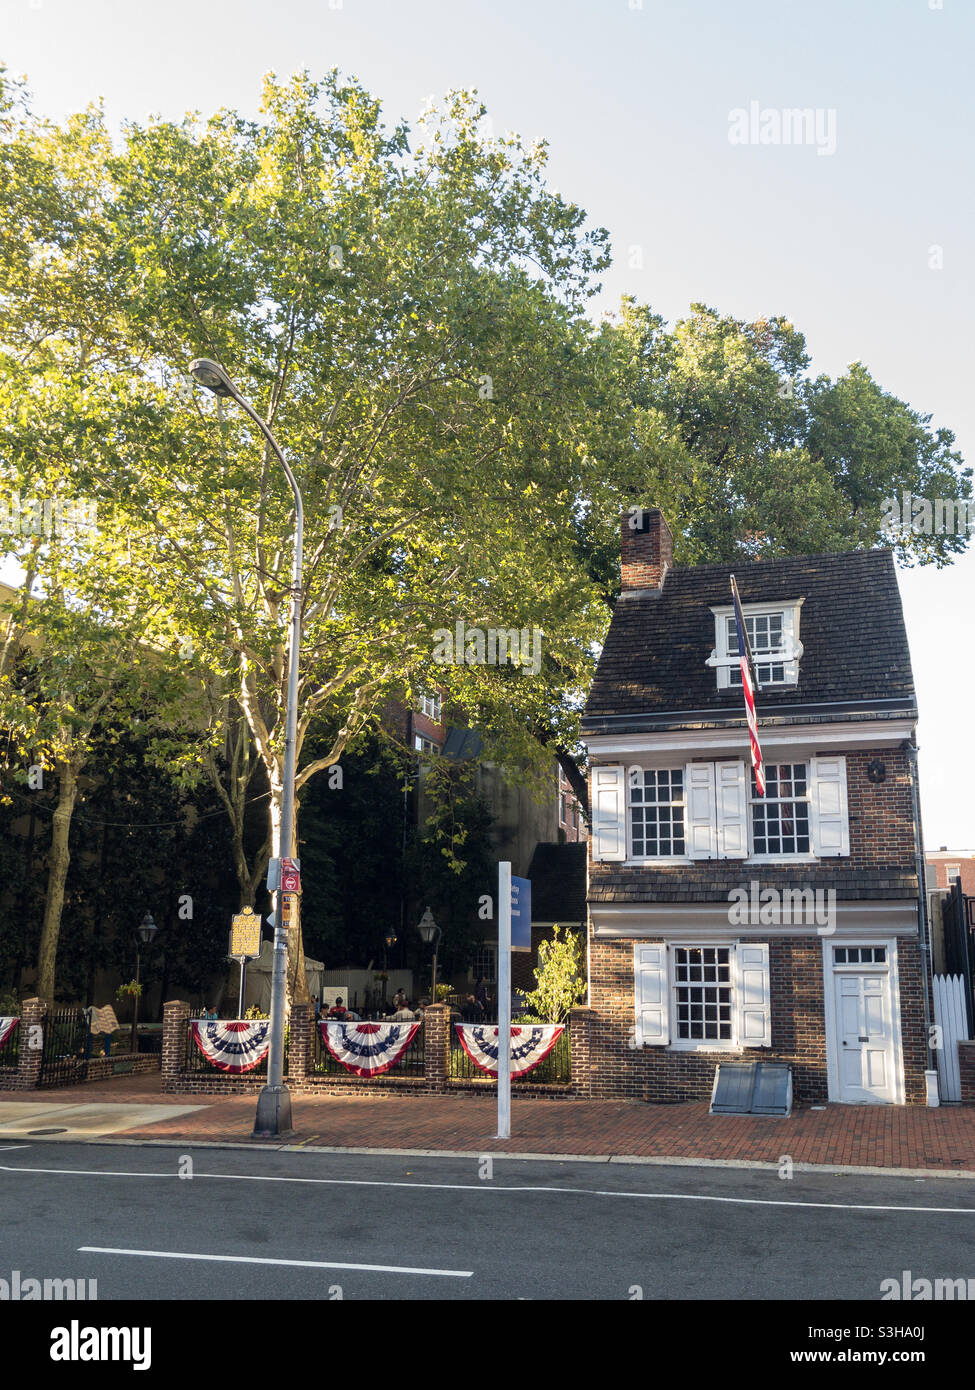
(745, 656)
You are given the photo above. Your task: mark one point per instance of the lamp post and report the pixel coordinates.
(430, 932)
(391, 940)
(145, 932)
(274, 1102)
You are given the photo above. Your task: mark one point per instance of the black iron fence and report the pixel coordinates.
(198, 1061)
(63, 1061)
(553, 1070)
(410, 1062)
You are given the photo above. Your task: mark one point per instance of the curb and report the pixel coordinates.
(662, 1161)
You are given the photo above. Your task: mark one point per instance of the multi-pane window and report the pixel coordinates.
(765, 639)
(860, 955)
(656, 812)
(780, 819)
(424, 745)
(952, 872)
(432, 707)
(485, 963)
(702, 993)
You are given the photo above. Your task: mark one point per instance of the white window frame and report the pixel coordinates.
(435, 710)
(952, 874)
(422, 744)
(703, 1044)
(661, 859)
(793, 857)
(724, 658)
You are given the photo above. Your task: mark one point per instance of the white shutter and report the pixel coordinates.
(701, 829)
(753, 994)
(609, 813)
(731, 801)
(791, 645)
(651, 995)
(828, 814)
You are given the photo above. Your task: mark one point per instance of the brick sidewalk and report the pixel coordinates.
(870, 1136)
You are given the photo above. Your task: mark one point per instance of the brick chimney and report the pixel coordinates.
(647, 549)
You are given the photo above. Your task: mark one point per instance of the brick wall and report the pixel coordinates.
(966, 1068)
(647, 552)
(881, 862)
(616, 1068)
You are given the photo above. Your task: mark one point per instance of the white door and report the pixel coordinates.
(865, 1036)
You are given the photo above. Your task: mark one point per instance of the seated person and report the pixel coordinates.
(404, 1014)
(338, 1009)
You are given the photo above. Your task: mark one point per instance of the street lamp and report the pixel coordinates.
(391, 940)
(145, 932)
(274, 1102)
(430, 932)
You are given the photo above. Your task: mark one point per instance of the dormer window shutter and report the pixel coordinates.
(609, 813)
(731, 799)
(701, 837)
(828, 809)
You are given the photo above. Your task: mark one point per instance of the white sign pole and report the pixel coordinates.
(504, 1001)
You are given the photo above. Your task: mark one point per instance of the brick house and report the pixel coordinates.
(723, 926)
(945, 867)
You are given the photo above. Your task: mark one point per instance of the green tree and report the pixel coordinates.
(560, 977)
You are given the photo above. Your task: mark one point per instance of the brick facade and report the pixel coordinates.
(617, 1068)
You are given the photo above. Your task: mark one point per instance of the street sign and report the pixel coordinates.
(245, 935)
(521, 914)
(289, 904)
(290, 876)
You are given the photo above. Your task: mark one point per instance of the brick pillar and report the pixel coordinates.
(31, 1044)
(436, 1045)
(176, 1015)
(580, 1059)
(966, 1068)
(300, 1041)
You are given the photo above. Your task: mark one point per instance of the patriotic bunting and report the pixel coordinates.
(7, 1026)
(751, 715)
(529, 1045)
(366, 1049)
(234, 1045)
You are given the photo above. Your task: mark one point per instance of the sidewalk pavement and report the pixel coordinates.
(872, 1136)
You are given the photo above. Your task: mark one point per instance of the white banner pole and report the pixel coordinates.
(504, 1001)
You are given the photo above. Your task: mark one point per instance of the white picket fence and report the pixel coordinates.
(951, 1018)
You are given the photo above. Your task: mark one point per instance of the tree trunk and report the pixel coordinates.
(56, 877)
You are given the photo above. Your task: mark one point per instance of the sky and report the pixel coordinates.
(862, 236)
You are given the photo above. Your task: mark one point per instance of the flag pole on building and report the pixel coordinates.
(748, 686)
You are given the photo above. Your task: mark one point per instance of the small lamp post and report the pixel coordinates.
(430, 932)
(145, 932)
(391, 940)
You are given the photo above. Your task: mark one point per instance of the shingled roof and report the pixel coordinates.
(856, 661)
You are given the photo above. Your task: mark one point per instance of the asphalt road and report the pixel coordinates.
(319, 1226)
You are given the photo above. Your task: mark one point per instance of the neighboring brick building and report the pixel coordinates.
(943, 867)
(727, 926)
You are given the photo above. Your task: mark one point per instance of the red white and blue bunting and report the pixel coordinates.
(530, 1044)
(366, 1049)
(233, 1045)
(7, 1026)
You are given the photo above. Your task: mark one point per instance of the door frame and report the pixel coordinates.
(829, 999)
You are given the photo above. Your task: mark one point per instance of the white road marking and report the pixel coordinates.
(497, 1187)
(262, 1260)
(4, 1147)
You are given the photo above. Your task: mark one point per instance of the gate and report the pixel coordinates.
(958, 919)
(950, 1016)
(63, 1061)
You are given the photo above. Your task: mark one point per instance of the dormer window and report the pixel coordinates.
(773, 634)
